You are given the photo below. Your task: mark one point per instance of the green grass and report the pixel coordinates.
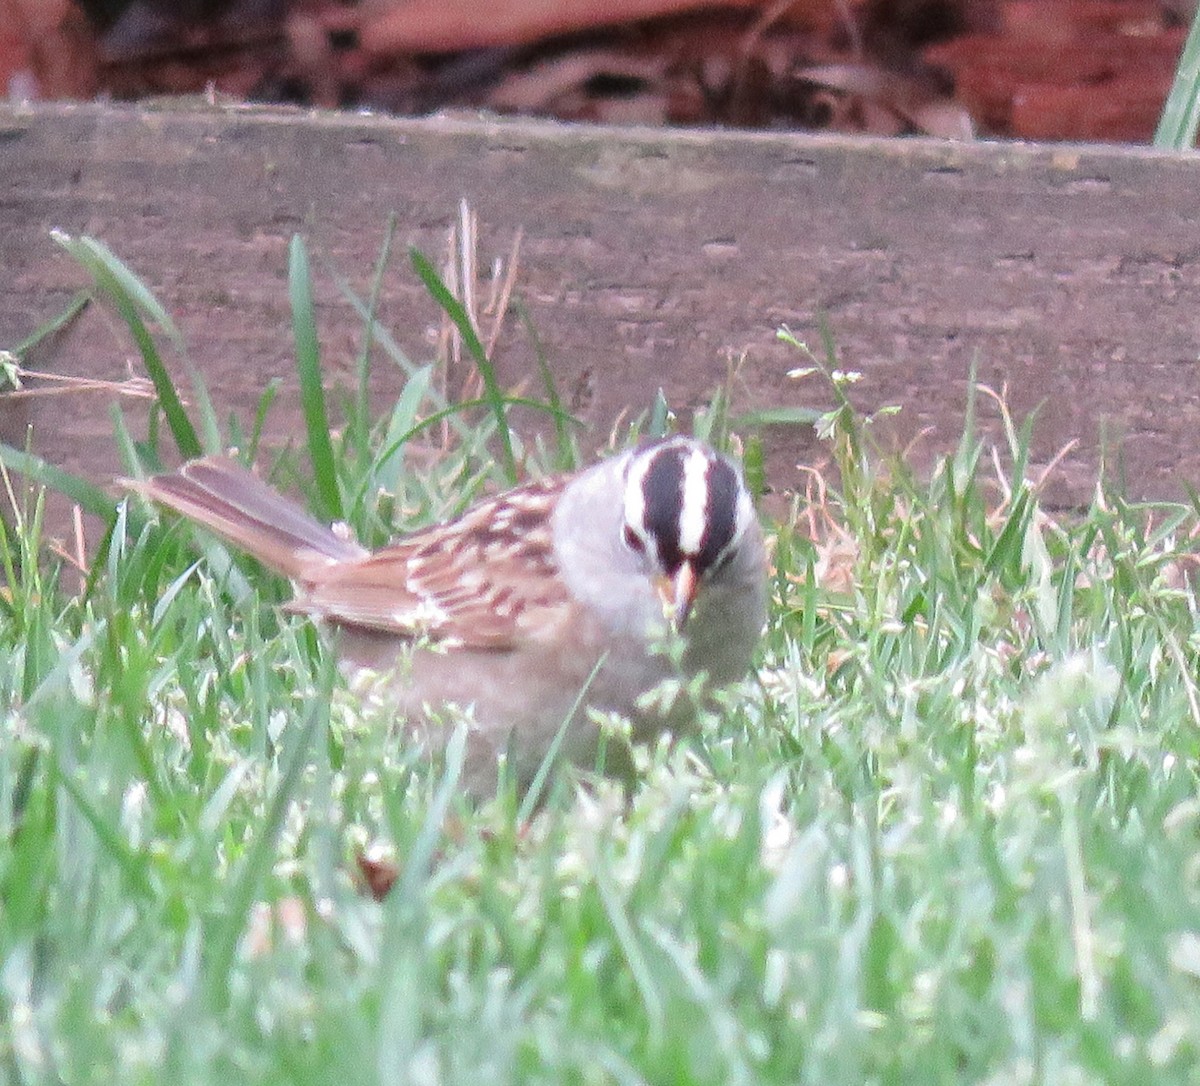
(953, 836)
(1180, 118)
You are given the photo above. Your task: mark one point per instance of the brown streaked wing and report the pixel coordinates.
(488, 580)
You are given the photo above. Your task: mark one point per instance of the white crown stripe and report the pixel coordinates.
(693, 514)
(635, 496)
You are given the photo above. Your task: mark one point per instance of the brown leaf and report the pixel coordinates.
(539, 87)
(434, 26)
(908, 96)
(378, 875)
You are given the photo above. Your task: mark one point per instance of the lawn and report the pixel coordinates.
(950, 834)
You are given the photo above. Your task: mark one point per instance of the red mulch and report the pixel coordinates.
(1029, 69)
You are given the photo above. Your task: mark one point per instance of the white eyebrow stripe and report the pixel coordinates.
(635, 496)
(693, 515)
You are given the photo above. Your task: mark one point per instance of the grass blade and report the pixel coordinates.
(567, 456)
(256, 864)
(90, 498)
(312, 393)
(96, 256)
(359, 423)
(54, 325)
(491, 387)
(132, 298)
(776, 416)
(1181, 113)
(403, 421)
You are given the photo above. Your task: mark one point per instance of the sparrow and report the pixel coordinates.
(533, 615)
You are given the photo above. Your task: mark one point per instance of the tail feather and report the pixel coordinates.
(238, 506)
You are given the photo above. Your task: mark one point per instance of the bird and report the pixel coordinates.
(531, 612)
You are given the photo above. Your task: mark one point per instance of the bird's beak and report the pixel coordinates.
(678, 593)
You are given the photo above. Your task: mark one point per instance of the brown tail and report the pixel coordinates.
(238, 506)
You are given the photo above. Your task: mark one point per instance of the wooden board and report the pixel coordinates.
(1070, 273)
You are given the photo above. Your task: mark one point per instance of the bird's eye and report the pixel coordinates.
(634, 541)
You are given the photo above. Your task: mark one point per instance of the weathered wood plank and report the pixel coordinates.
(1072, 273)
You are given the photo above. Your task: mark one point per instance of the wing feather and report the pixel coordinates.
(486, 581)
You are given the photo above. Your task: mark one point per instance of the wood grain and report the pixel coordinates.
(1071, 274)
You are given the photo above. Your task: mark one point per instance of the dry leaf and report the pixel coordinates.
(378, 874)
(538, 87)
(911, 98)
(433, 26)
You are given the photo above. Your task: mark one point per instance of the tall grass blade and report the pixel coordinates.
(90, 498)
(312, 392)
(132, 298)
(131, 865)
(260, 419)
(358, 429)
(659, 423)
(1181, 113)
(566, 455)
(256, 864)
(54, 325)
(491, 387)
(209, 425)
(120, 279)
(403, 421)
(776, 416)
